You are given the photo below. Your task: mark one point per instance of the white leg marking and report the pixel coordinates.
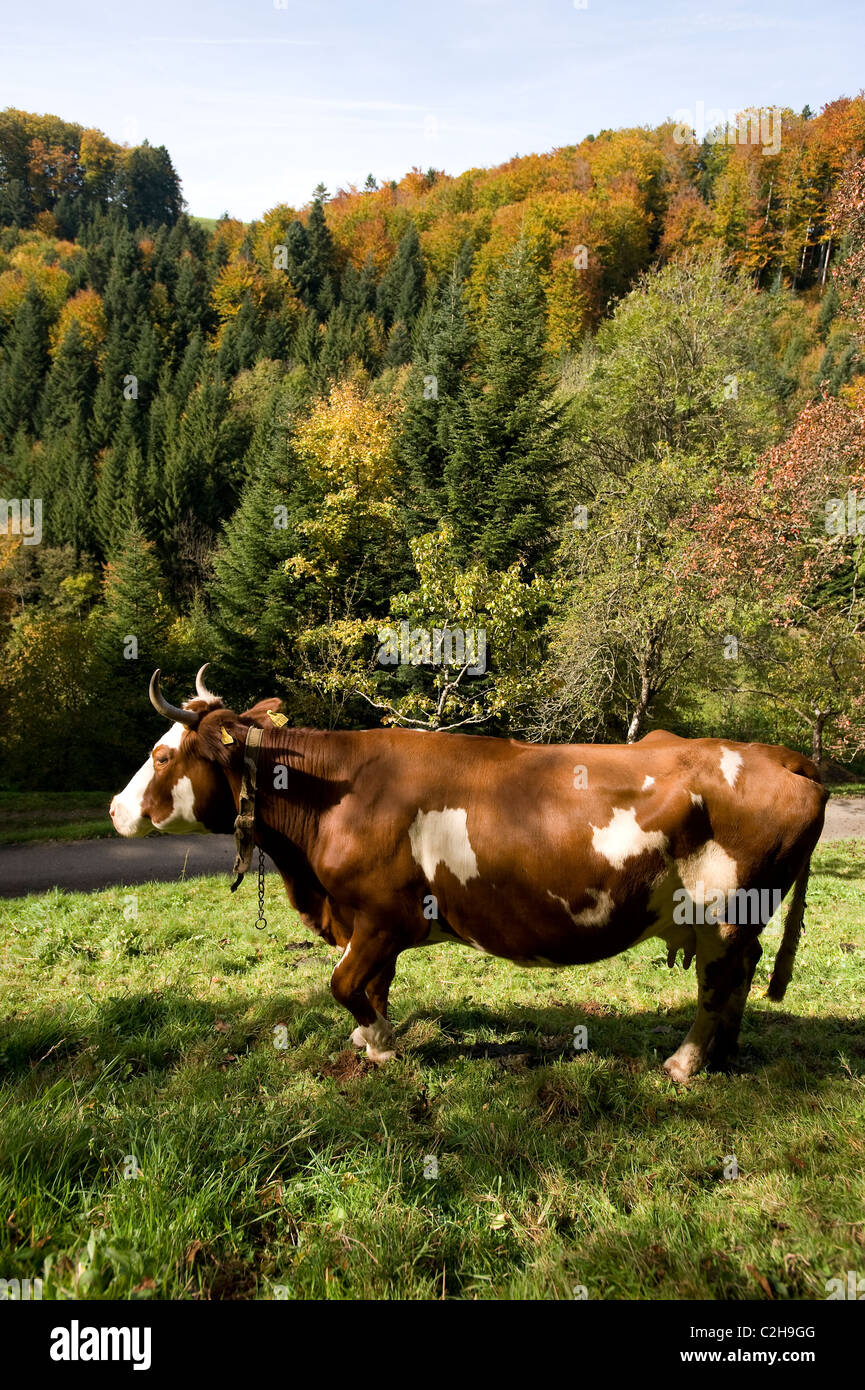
(378, 1038)
(343, 957)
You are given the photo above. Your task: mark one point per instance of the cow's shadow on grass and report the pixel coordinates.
(542, 1035)
(151, 1032)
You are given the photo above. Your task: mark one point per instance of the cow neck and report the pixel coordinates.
(288, 812)
(244, 825)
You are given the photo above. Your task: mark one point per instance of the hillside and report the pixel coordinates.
(259, 442)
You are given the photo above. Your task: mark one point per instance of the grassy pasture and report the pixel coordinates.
(490, 1160)
(28, 816)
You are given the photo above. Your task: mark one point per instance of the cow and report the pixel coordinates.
(543, 854)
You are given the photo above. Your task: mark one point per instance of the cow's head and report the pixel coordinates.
(185, 785)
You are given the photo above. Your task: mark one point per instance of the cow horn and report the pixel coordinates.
(189, 717)
(200, 688)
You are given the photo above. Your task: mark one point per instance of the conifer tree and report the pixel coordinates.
(24, 367)
(443, 356)
(256, 603)
(507, 436)
(70, 384)
(400, 292)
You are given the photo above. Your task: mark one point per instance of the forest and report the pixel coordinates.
(604, 406)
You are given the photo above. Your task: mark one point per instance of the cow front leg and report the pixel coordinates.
(377, 993)
(721, 990)
(365, 959)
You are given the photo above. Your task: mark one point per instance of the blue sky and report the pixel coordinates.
(258, 101)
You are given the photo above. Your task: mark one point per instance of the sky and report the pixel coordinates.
(258, 101)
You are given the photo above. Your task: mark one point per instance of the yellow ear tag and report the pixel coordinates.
(277, 719)
(225, 735)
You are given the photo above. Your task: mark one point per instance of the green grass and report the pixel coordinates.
(147, 1042)
(849, 789)
(28, 816)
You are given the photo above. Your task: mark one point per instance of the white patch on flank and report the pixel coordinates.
(731, 763)
(710, 869)
(696, 798)
(442, 837)
(623, 838)
(595, 916)
(649, 782)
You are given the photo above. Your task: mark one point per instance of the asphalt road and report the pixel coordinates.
(86, 865)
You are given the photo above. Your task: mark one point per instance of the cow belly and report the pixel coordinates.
(536, 930)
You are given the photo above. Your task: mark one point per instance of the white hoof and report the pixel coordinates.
(684, 1064)
(377, 1038)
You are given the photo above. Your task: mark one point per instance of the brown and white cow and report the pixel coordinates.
(542, 854)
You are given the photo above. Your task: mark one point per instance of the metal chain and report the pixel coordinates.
(261, 920)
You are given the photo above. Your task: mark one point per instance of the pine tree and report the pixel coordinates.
(444, 353)
(70, 384)
(400, 293)
(507, 436)
(150, 187)
(66, 482)
(132, 635)
(256, 603)
(24, 367)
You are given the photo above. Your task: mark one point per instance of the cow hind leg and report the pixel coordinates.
(362, 968)
(726, 961)
(726, 1040)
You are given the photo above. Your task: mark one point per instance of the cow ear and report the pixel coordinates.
(218, 736)
(260, 713)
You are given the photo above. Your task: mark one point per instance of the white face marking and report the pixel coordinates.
(182, 820)
(597, 915)
(623, 838)
(731, 762)
(126, 806)
(442, 837)
(649, 782)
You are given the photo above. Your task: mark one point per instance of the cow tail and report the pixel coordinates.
(783, 969)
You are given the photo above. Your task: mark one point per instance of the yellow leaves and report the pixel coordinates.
(97, 157)
(233, 283)
(86, 309)
(348, 443)
(569, 306)
(31, 263)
